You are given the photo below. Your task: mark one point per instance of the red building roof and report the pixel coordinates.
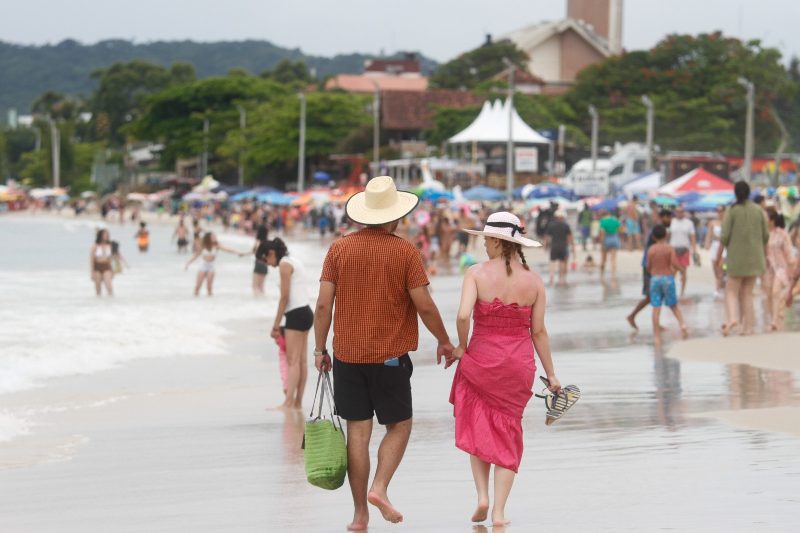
(356, 83)
(411, 110)
(392, 66)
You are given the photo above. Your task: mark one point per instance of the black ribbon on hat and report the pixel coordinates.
(514, 227)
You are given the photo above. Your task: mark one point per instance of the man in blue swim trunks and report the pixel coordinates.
(662, 263)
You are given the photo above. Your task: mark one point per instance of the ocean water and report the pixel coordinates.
(53, 325)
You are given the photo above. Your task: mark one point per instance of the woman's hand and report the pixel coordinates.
(275, 333)
(458, 352)
(555, 385)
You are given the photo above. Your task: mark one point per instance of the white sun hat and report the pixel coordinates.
(506, 226)
(380, 203)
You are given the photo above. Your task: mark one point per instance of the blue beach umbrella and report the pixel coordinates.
(275, 198)
(607, 204)
(481, 192)
(321, 176)
(665, 201)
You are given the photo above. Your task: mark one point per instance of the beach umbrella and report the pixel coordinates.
(481, 192)
(549, 190)
(607, 204)
(275, 198)
(710, 202)
(434, 196)
(665, 201)
(321, 176)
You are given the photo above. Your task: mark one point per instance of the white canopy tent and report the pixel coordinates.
(647, 183)
(491, 126)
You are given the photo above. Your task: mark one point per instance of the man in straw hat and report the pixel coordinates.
(378, 283)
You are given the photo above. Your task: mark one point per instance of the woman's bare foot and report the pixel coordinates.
(381, 501)
(481, 512)
(728, 328)
(360, 521)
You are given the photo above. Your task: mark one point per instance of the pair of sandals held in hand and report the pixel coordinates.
(559, 402)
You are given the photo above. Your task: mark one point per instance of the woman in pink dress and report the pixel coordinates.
(494, 378)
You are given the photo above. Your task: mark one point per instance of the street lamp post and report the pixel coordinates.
(510, 141)
(55, 152)
(748, 134)
(593, 113)
(204, 161)
(301, 160)
(242, 126)
(376, 126)
(648, 103)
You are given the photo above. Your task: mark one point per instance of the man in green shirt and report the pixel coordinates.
(609, 240)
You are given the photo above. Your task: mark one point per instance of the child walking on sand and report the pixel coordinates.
(662, 262)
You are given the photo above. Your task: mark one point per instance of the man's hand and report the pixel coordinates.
(444, 349)
(322, 363)
(458, 352)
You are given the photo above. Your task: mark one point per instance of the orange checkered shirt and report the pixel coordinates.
(374, 318)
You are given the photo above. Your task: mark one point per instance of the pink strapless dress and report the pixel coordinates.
(492, 384)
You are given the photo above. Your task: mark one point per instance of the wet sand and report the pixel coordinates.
(187, 443)
(778, 351)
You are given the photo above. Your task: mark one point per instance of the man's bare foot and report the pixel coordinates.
(390, 514)
(481, 512)
(684, 332)
(632, 322)
(360, 521)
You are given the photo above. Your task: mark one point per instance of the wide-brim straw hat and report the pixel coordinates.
(380, 203)
(506, 226)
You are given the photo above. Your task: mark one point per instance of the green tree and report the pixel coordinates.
(273, 132)
(693, 82)
(289, 72)
(175, 115)
(476, 66)
(182, 73)
(121, 91)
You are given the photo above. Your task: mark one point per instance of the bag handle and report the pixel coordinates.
(326, 384)
(316, 392)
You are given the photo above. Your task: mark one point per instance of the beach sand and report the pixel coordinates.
(778, 351)
(191, 442)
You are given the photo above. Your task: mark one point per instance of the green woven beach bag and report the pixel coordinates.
(324, 442)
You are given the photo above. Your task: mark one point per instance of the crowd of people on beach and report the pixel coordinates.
(375, 283)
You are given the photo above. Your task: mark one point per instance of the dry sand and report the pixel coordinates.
(777, 351)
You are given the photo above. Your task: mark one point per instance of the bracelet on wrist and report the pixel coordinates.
(318, 353)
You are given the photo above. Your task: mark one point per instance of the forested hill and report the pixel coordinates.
(28, 71)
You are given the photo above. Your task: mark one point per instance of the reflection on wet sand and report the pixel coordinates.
(751, 387)
(293, 429)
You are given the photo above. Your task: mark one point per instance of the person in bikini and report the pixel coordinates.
(208, 253)
(100, 268)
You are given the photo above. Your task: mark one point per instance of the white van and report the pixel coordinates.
(581, 180)
(628, 161)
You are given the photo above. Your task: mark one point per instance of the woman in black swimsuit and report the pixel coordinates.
(260, 268)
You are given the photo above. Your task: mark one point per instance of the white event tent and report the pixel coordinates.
(645, 183)
(491, 126)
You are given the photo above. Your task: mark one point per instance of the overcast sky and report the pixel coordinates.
(440, 29)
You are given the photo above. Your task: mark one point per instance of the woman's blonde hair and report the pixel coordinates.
(509, 248)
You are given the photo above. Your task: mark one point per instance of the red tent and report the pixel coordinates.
(697, 180)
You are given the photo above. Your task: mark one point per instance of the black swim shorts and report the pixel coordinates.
(363, 389)
(300, 319)
(558, 254)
